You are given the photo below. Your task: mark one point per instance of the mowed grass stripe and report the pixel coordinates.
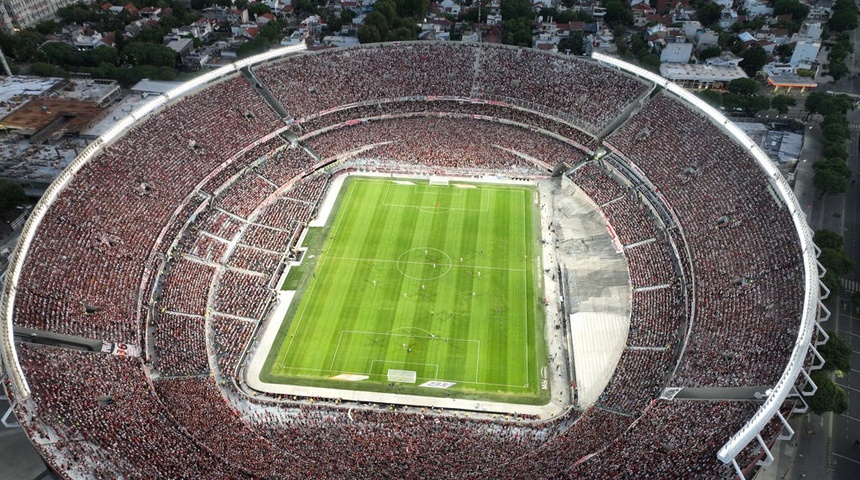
(377, 223)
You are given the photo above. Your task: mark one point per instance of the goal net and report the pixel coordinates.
(401, 376)
(439, 181)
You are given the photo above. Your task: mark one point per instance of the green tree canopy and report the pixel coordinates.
(826, 238)
(743, 86)
(512, 9)
(836, 353)
(782, 103)
(11, 195)
(829, 397)
(141, 53)
(754, 58)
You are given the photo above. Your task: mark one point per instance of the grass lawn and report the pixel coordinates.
(439, 280)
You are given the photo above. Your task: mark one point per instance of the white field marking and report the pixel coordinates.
(435, 375)
(457, 265)
(322, 258)
(485, 200)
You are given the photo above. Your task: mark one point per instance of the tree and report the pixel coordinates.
(836, 353)
(713, 97)
(710, 52)
(575, 43)
(369, 34)
(797, 10)
(754, 58)
(743, 86)
(708, 13)
(517, 32)
(782, 103)
(141, 53)
(829, 397)
(831, 178)
(11, 195)
(26, 45)
(755, 104)
(826, 238)
(42, 69)
(843, 20)
(618, 13)
(512, 9)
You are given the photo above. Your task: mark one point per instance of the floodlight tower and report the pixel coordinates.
(5, 65)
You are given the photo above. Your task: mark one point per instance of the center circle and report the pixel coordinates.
(424, 263)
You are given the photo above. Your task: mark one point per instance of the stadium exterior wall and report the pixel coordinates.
(9, 353)
(783, 388)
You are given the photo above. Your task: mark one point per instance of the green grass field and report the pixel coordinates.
(437, 280)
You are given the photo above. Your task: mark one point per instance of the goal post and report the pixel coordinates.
(402, 376)
(443, 181)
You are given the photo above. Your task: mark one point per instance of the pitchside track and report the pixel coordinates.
(414, 283)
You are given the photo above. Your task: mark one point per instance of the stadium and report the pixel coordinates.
(407, 220)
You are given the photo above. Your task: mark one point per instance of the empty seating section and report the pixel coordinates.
(747, 269)
(180, 344)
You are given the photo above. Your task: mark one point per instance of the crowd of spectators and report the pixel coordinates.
(596, 183)
(650, 264)
(242, 294)
(244, 196)
(83, 275)
(638, 379)
(656, 316)
(446, 141)
(230, 338)
(631, 219)
(180, 344)
(578, 88)
(107, 401)
(748, 272)
(67, 286)
(186, 287)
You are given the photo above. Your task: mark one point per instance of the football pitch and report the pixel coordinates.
(419, 289)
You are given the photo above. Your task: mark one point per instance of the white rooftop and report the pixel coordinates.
(700, 72)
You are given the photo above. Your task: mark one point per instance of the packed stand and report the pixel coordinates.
(443, 141)
(107, 401)
(242, 295)
(674, 439)
(314, 82)
(650, 264)
(185, 289)
(244, 196)
(656, 317)
(232, 167)
(170, 153)
(286, 164)
(207, 247)
(596, 183)
(231, 337)
(198, 407)
(489, 110)
(220, 224)
(254, 259)
(632, 220)
(639, 377)
(591, 93)
(748, 270)
(180, 345)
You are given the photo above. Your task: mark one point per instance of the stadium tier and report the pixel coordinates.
(170, 238)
